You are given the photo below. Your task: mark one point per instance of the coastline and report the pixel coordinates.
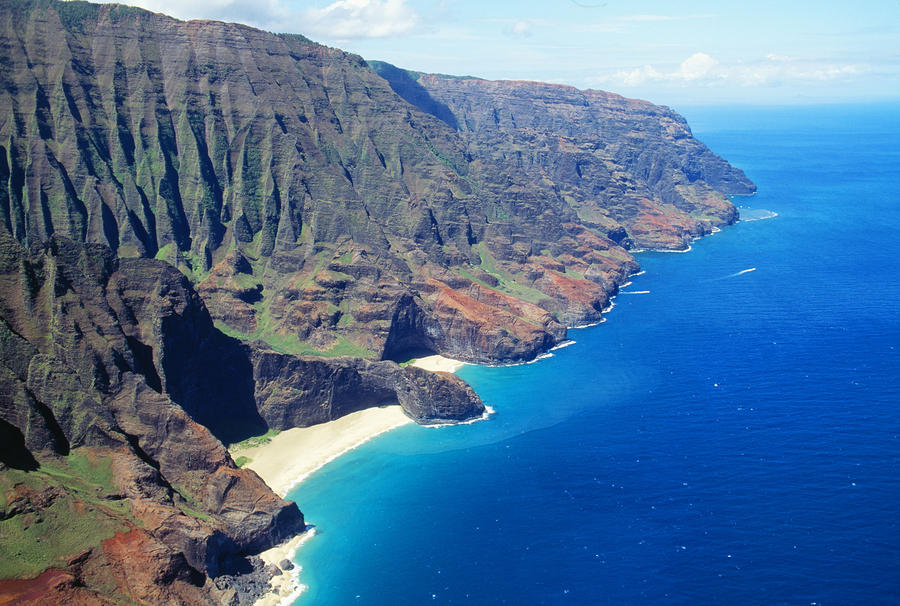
(293, 455)
(353, 430)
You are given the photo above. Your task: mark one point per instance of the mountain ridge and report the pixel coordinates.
(200, 140)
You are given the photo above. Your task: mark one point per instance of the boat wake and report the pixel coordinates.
(756, 214)
(738, 273)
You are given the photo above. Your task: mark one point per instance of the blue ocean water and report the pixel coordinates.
(732, 436)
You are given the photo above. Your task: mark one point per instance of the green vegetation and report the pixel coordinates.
(457, 168)
(78, 512)
(74, 15)
(254, 441)
(343, 347)
(128, 250)
(193, 512)
(188, 504)
(246, 281)
(168, 253)
(267, 327)
(242, 460)
(334, 277)
(188, 262)
(297, 38)
(290, 344)
(94, 470)
(507, 282)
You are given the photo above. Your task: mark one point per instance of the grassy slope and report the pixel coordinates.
(85, 510)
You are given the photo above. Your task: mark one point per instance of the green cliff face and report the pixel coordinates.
(316, 208)
(626, 167)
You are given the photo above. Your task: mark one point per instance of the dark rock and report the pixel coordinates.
(296, 392)
(122, 357)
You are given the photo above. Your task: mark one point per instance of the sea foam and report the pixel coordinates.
(488, 413)
(565, 343)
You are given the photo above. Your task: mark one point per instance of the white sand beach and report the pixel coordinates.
(291, 456)
(438, 363)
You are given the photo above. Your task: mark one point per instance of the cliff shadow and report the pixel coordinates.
(408, 337)
(214, 383)
(405, 84)
(13, 452)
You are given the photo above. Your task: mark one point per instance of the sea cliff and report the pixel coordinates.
(314, 207)
(208, 231)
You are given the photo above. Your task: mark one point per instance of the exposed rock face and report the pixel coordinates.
(117, 360)
(316, 209)
(296, 392)
(626, 167)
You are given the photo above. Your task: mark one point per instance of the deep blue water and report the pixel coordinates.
(727, 438)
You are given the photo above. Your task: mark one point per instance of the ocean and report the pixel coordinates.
(729, 435)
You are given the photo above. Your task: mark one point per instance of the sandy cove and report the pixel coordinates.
(293, 455)
(438, 364)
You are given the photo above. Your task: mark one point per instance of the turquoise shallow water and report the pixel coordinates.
(730, 436)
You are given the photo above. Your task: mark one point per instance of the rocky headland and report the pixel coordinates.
(208, 231)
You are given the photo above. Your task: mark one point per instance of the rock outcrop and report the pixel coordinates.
(626, 167)
(294, 391)
(127, 492)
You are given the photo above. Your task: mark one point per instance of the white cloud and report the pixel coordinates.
(341, 19)
(703, 70)
(698, 65)
(636, 77)
(362, 19)
(600, 28)
(521, 28)
(647, 18)
(657, 18)
(261, 13)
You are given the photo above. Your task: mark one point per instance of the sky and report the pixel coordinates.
(673, 53)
